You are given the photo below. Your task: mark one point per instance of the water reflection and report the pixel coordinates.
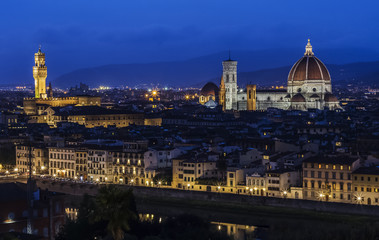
(236, 231)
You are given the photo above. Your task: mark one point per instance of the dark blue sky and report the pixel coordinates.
(86, 33)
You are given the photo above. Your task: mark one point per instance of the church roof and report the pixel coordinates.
(330, 98)
(298, 98)
(209, 89)
(308, 67)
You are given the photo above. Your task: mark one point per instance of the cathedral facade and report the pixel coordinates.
(308, 87)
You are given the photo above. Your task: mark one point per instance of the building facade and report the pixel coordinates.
(308, 87)
(329, 178)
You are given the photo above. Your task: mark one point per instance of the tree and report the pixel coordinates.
(117, 208)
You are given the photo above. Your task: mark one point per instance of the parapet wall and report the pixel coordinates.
(165, 193)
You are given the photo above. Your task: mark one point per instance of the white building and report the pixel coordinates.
(308, 86)
(156, 158)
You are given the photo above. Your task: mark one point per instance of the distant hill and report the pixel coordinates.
(259, 67)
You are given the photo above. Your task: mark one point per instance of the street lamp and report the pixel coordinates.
(188, 185)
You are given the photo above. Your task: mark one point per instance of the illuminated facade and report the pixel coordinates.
(42, 100)
(329, 178)
(366, 186)
(308, 87)
(128, 167)
(39, 158)
(89, 116)
(40, 74)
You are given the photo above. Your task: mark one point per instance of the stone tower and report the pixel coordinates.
(251, 91)
(229, 76)
(221, 94)
(40, 74)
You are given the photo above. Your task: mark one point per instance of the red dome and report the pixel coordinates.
(209, 89)
(308, 67)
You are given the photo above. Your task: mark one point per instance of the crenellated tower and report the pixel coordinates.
(40, 74)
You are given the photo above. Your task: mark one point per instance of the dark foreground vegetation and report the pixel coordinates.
(112, 214)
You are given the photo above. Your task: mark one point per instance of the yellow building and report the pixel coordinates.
(39, 157)
(185, 172)
(90, 116)
(366, 186)
(128, 167)
(329, 178)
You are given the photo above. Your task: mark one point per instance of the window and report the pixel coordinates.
(333, 175)
(319, 174)
(44, 213)
(341, 175)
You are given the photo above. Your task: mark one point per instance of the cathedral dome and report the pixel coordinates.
(308, 67)
(298, 98)
(209, 89)
(330, 98)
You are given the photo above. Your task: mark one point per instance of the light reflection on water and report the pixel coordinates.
(236, 231)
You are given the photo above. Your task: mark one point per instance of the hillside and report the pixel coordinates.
(253, 67)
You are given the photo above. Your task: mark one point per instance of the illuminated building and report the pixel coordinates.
(62, 162)
(209, 92)
(308, 87)
(89, 116)
(40, 74)
(100, 166)
(329, 178)
(366, 186)
(42, 100)
(81, 162)
(39, 157)
(128, 167)
(186, 172)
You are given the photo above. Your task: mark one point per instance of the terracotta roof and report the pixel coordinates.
(308, 67)
(330, 98)
(209, 89)
(298, 98)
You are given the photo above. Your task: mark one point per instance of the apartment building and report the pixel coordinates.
(366, 186)
(62, 162)
(39, 158)
(329, 178)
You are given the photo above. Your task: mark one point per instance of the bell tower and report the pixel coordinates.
(40, 74)
(229, 76)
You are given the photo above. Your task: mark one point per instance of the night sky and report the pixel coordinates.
(86, 33)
